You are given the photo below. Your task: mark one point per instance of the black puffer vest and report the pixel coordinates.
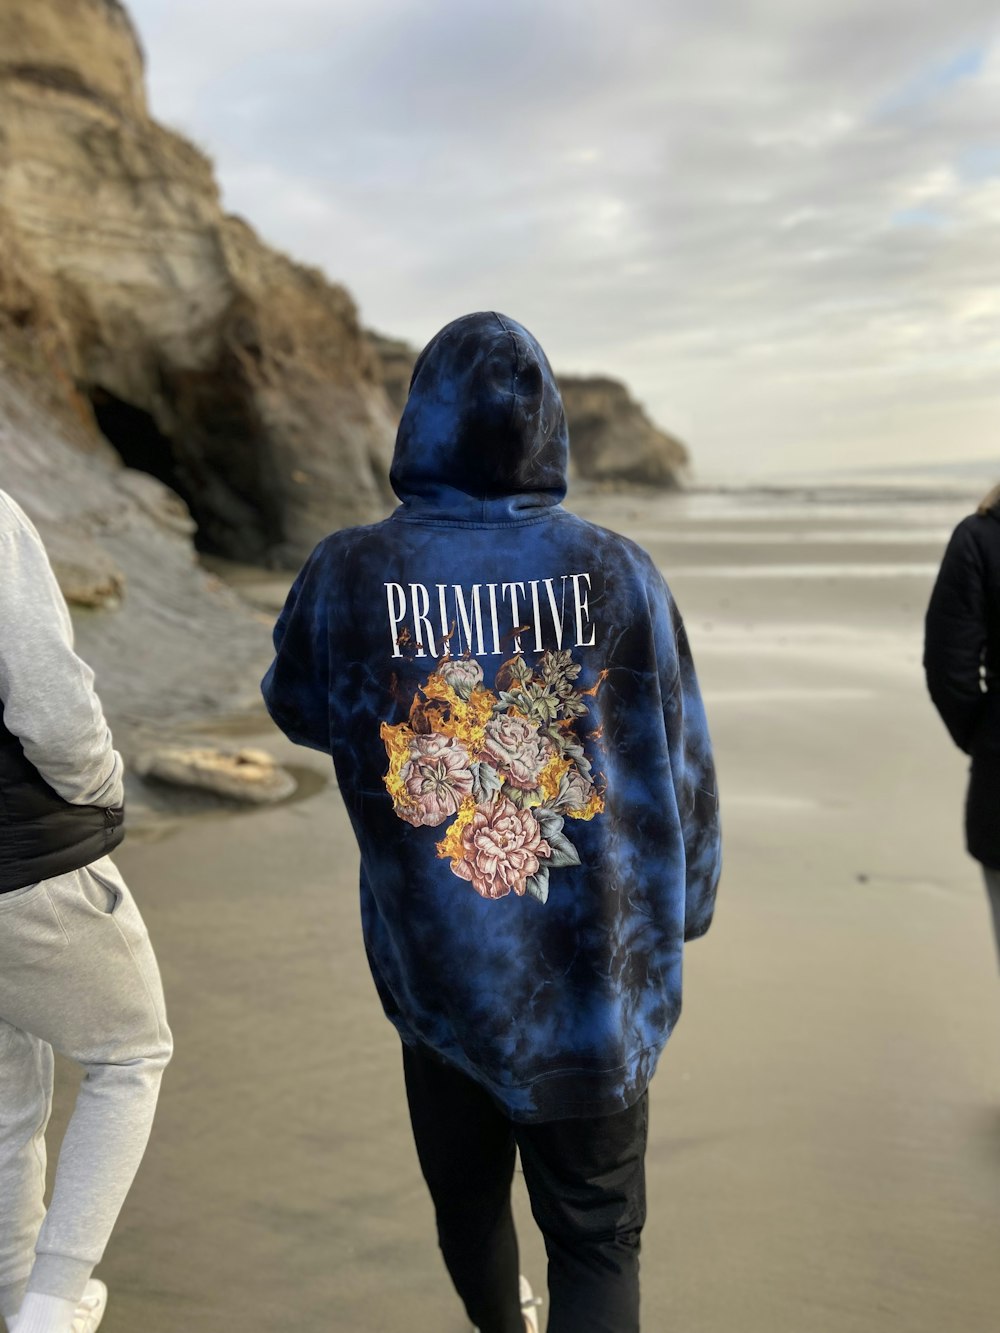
(41, 835)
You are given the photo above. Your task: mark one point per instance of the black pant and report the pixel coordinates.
(586, 1182)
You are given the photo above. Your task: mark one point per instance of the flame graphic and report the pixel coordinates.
(450, 847)
(397, 747)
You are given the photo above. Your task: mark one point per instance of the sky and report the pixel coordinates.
(777, 220)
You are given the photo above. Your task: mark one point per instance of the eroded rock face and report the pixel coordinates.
(88, 47)
(396, 358)
(238, 377)
(612, 440)
(168, 642)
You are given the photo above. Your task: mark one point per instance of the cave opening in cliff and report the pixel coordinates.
(213, 464)
(139, 442)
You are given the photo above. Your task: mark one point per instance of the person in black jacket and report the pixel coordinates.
(77, 971)
(962, 664)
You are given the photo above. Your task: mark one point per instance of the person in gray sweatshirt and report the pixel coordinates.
(77, 971)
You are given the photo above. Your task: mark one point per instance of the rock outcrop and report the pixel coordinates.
(612, 440)
(239, 378)
(170, 644)
(149, 619)
(396, 358)
(167, 379)
(249, 776)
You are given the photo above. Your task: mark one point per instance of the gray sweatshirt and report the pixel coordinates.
(46, 690)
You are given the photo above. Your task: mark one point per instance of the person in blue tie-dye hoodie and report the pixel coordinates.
(509, 698)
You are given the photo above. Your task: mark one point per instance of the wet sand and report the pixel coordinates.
(825, 1136)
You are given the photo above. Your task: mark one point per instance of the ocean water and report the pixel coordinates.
(821, 564)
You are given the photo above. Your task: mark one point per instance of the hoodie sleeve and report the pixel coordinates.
(297, 684)
(693, 774)
(48, 695)
(955, 635)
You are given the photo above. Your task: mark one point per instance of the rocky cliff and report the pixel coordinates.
(612, 440)
(147, 615)
(238, 377)
(167, 380)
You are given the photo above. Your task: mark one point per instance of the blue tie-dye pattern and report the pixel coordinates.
(559, 1009)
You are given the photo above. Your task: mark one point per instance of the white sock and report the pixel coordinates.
(44, 1314)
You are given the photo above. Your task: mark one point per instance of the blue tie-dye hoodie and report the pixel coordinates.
(511, 706)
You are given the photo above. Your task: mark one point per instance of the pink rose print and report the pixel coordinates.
(574, 791)
(514, 747)
(436, 777)
(463, 674)
(502, 847)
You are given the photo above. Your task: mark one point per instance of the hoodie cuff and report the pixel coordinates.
(60, 1275)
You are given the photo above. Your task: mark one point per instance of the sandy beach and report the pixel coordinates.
(825, 1136)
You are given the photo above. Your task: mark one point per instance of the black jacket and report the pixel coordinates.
(962, 663)
(41, 835)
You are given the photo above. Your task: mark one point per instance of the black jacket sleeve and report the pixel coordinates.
(955, 636)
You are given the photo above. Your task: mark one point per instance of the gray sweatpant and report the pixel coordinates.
(77, 973)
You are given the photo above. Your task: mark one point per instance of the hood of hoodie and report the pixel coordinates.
(483, 436)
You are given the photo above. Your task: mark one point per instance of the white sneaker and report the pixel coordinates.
(529, 1306)
(90, 1311)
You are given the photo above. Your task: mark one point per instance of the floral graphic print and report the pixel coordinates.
(517, 749)
(506, 766)
(436, 776)
(501, 848)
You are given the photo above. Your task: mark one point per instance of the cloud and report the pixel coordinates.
(935, 80)
(775, 220)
